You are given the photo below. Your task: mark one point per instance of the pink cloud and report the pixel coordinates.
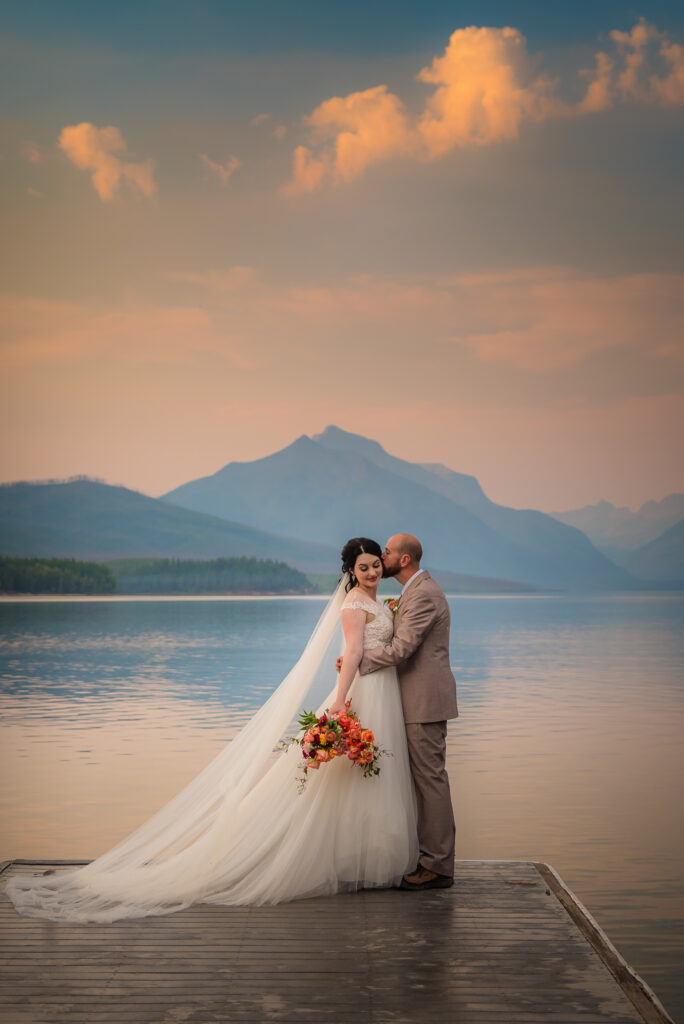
(538, 319)
(551, 318)
(92, 149)
(42, 331)
(222, 171)
(30, 151)
(228, 279)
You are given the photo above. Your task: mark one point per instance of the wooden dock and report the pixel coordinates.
(508, 943)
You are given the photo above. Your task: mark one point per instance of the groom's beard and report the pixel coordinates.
(388, 573)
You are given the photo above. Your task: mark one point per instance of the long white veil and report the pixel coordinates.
(189, 849)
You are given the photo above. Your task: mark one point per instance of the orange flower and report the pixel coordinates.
(367, 736)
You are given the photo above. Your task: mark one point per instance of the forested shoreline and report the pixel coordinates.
(55, 576)
(240, 575)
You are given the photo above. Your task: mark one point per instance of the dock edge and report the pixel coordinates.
(632, 984)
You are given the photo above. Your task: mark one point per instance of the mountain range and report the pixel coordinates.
(96, 521)
(300, 504)
(661, 559)
(616, 530)
(337, 485)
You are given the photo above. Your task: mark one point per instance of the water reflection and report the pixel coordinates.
(568, 748)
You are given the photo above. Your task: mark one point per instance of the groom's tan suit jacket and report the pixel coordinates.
(420, 651)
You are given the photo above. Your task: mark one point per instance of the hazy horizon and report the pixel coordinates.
(98, 478)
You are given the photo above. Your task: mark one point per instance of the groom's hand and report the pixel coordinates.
(338, 663)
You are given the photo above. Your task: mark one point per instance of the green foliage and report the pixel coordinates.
(54, 576)
(307, 719)
(215, 576)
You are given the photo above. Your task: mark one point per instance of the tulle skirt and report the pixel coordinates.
(342, 832)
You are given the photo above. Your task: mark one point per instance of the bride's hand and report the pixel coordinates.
(337, 708)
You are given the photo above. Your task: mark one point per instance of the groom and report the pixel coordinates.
(420, 651)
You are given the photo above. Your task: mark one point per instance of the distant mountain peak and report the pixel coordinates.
(335, 437)
(301, 443)
(671, 502)
(459, 487)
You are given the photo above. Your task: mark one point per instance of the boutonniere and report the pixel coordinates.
(393, 604)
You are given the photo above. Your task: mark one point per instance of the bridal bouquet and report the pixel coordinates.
(326, 737)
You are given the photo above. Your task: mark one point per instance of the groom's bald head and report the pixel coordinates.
(407, 544)
(402, 555)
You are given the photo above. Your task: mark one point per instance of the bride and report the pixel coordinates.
(241, 832)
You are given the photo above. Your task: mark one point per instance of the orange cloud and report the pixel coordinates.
(485, 89)
(633, 82)
(93, 149)
(223, 171)
(357, 130)
(599, 90)
(308, 171)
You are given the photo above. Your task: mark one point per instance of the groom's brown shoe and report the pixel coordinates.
(421, 878)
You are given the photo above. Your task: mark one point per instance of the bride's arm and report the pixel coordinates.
(353, 624)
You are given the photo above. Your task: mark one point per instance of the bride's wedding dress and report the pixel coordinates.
(241, 832)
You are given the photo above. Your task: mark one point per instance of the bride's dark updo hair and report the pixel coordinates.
(351, 551)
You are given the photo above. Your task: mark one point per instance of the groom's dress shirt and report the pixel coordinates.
(410, 580)
(420, 651)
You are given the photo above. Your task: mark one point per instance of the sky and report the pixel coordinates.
(454, 228)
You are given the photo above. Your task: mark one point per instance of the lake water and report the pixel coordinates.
(568, 749)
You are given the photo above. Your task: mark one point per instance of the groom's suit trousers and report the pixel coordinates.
(436, 827)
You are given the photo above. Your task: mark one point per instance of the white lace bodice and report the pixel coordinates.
(379, 630)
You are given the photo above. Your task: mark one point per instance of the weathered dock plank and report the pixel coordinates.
(509, 944)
